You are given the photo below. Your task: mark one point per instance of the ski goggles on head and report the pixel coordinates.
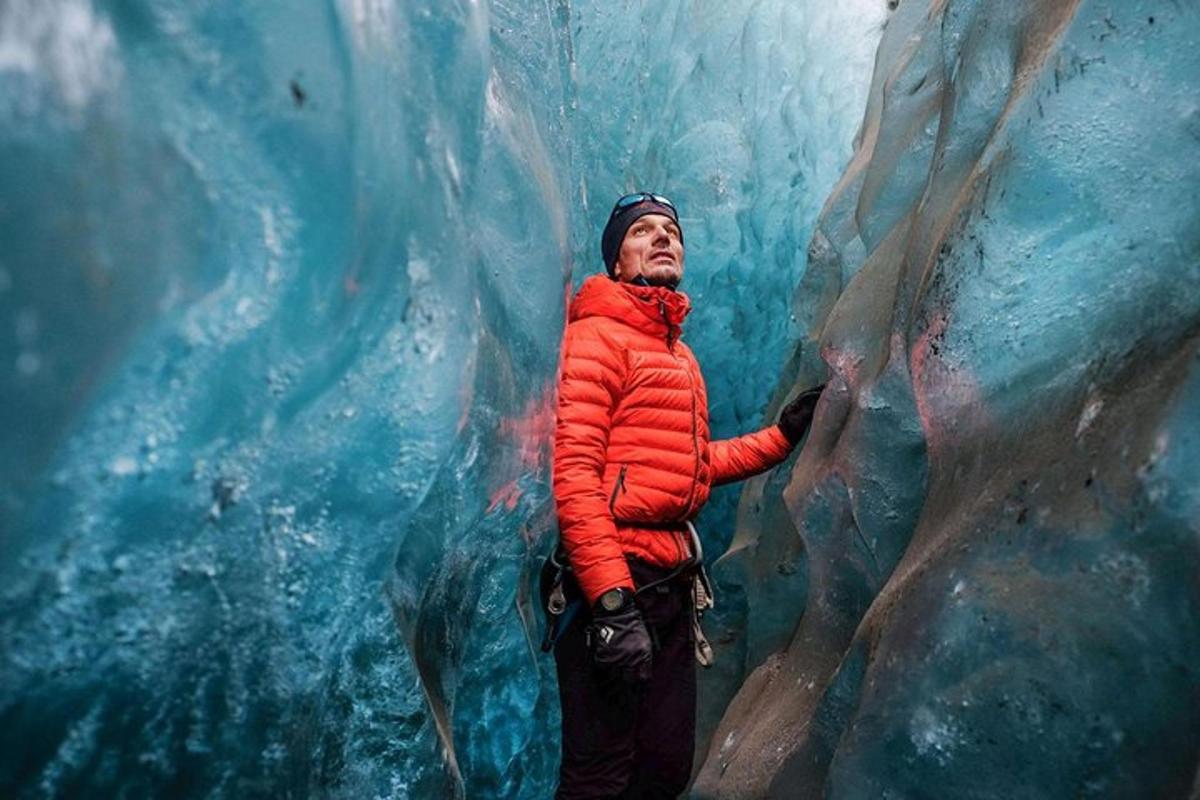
(642, 197)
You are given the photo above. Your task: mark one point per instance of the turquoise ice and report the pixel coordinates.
(281, 290)
(982, 576)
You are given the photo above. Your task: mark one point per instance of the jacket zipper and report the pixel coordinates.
(617, 487)
(695, 447)
(662, 307)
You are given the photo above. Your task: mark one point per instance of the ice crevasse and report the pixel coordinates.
(281, 295)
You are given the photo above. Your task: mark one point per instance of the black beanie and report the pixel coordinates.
(619, 222)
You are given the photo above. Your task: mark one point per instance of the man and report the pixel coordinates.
(632, 465)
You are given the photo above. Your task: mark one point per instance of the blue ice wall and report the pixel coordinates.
(981, 578)
(273, 277)
(281, 293)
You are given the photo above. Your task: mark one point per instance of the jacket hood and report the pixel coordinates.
(655, 310)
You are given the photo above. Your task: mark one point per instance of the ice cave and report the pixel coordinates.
(282, 291)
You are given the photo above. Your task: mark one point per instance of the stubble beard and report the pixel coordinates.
(663, 276)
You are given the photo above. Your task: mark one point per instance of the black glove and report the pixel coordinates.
(620, 642)
(797, 415)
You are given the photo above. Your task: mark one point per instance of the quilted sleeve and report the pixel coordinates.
(741, 457)
(589, 386)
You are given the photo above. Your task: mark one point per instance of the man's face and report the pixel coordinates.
(652, 248)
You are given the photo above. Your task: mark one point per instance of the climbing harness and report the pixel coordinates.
(563, 600)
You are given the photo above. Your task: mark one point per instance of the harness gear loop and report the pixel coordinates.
(702, 601)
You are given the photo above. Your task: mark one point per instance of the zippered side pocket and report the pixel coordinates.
(617, 487)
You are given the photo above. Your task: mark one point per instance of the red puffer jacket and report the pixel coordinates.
(631, 442)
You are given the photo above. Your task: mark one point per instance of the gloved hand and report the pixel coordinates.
(620, 642)
(797, 415)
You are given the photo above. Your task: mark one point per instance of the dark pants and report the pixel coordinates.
(621, 741)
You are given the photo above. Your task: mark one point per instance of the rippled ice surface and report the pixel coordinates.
(982, 574)
(280, 299)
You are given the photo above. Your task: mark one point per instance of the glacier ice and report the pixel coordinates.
(278, 289)
(283, 289)
(982, 575)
